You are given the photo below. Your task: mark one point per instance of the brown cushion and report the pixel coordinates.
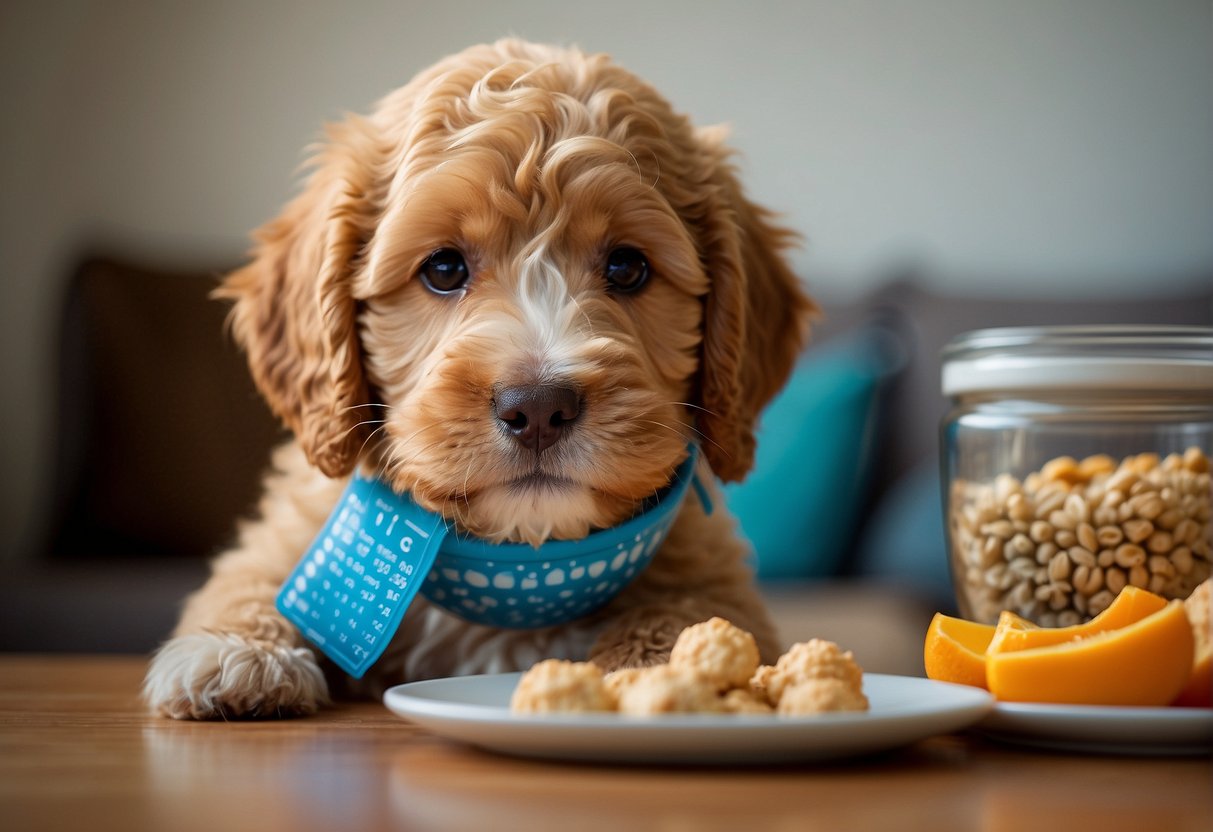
(162, 438)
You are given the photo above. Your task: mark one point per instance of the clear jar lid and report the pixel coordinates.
(1154, 358)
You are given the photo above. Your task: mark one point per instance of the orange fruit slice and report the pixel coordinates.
(1198, 693)
(954, 650)
(1146, 663)
(1015, 633)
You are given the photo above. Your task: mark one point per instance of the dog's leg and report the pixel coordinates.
(233, 654)
(643, 635)
(698, 573)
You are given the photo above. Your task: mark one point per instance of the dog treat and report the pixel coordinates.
(716, 651)
(745, 701)
(665, 689)
(813, 659)
(821, 695)
(555, 686)
(617, 680)
(1059, 545)
(761, 680)
(713, 668)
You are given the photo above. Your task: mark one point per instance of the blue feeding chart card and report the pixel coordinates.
(349, 592)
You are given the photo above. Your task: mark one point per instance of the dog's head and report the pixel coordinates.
(519, 288)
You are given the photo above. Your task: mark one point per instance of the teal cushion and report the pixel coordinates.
(800, 505)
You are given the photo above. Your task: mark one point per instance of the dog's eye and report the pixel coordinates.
(626, 270)
(444, 271)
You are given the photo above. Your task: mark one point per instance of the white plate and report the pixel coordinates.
(475, 709)
(1103, 729)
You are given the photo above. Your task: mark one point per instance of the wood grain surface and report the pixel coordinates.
(78, 751)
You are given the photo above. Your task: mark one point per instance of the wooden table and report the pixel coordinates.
(77, 751)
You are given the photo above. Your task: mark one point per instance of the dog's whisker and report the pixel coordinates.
(670, 428)
(467, 477)
(693, 406)
(700, 434)
(679, 430)
(394, 458)
(705, 438)
(406, 443)
(370, 436)
(715, 444)
(381, 422)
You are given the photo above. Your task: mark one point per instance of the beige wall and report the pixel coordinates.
(1026, 145)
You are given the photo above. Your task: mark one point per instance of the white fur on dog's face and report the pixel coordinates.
(537, 309)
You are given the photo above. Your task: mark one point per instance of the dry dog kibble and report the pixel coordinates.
(617, 680)
(665, 689)
(819, 696)
(559, 686)
(713, 668)
(718, 652)
(761, 680)
(813, 659)
(745, 701)
(1089, 527)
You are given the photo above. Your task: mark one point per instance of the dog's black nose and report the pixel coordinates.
(537, 415)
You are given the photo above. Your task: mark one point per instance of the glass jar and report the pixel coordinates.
(1075, 463)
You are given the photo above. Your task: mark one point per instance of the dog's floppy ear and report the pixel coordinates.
(293, 311)
(755, 317)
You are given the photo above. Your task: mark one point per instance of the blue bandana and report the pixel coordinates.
(350, 591)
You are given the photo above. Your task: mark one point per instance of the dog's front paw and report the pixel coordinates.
(210, 675)
(640, 637)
